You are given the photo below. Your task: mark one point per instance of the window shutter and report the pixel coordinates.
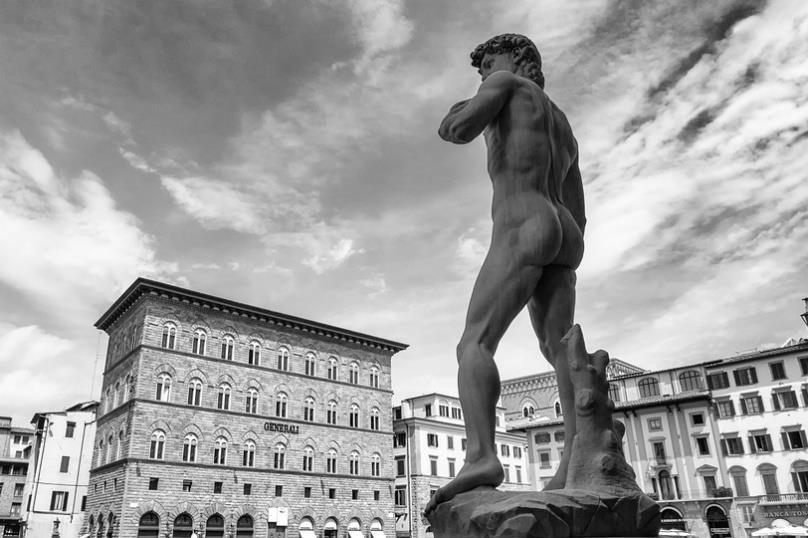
(64, 502)
(776, 402)
(753, 371)
(796, 480)
(157, 396)
(804, 440)
(752, 447)
(724, 446)
(805, 396)
(737, 377)
(784, 437)
(743, 407)
(710, 384)
(760, 404)
(53, 500)
(731, 408)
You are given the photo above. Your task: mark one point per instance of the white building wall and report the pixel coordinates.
(46, 476)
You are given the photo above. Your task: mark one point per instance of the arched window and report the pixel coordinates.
(333, 368)
(528, 409)
(252, 401)
(148, 526)
(195, 392)
(648, 387)
(374, 377)
(183, 525)
(738, 475)
(353, 416)
(169, 339)
(280, 405)
(279, 461)
(157, 445)
(353, 463)
(116, 394)
(224, 396)
(558, 411)
(254, 353)
(100, 455)
(306, 527)
(330, 528)
(163, 388)
(716, 519)
(614, 392)
(100, 530)
(331, 461)
(354, 527)
(244, 526)
(200, 340)
(228, 343)
(248, 457)
(110, 524)
(353, 373)
(311, 364)
(189, 448)
(283, 359)
(119, 447)
(331, 412)
(375, 465)
(110, 445)
(672, 519)
(220, 451)
(214, 527)
(374, 418)
(768, 473)
(308, 459)
(690, 380)
(376, 528)
(308, 409)
(799, 475)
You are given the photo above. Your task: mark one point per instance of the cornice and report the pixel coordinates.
(145, 287)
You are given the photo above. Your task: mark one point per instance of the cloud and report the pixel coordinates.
(40, 372)
(65, 237)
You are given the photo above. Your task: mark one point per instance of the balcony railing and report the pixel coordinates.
(786, 498)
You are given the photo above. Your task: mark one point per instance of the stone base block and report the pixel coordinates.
(490, 513)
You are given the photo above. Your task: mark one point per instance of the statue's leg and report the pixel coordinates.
(552, 309)
(502, 289)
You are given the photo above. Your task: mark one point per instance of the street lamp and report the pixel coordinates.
(804, 315)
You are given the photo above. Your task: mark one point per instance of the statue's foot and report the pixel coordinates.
(481, 472)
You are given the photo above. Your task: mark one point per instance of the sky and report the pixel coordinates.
(285, 154)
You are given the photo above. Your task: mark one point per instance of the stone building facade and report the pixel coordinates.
(224, 419)
(15, 455)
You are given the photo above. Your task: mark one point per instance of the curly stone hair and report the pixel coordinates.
(529, 61)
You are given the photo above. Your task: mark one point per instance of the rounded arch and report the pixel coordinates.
(221, 431)
(183, 525)
(194, 429)
(376, 525)
(799, 466)
(672, 518)
(254, 383)
(690, 380)
(736, 469)
(148, 525)
(226, 378)
(528, 407)
(196, 373)
(231, 330)
(354, 524)
(312, 442)
(245, 526)
(160, 424)
(648, 386)
(165, 368)
(250, 435)
(766, 468)
(714, 510)
(214, 526)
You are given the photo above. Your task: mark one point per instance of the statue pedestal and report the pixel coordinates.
(489, 513)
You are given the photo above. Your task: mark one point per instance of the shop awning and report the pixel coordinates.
(307, 533)
(352, 533)
(377, 534)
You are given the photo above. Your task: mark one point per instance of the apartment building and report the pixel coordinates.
(56, 486)
(429, 447)
(15, 454)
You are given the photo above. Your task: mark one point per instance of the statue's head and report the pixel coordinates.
(516, 48)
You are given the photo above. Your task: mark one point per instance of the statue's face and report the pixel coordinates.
(503, 61)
